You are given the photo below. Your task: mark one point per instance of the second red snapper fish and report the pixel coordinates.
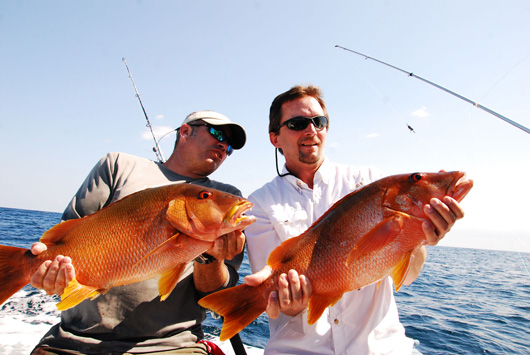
(153, 232)
(366, 236)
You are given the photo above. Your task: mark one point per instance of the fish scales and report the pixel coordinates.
(366, 236)
(151, 233)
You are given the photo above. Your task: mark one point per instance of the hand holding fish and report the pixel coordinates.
(377, 231)
(153, 233)
(210, 277)
(52, 276)
(228, 246)
(292, 296)
(442, 217)
(294, 290)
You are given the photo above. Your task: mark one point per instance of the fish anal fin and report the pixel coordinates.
(53, 235)
(283, 252)
(400, 271)
(76, 293)
(378, 237)
(169, 280)
(171, 243)
(317, 304)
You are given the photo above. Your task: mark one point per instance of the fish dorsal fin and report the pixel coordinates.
(283, 252)
(76, 293)
(400, 271)
(378, 237)
(317, 304)
(177, 215)
(169, 280)
(170, 243)
(57, 232)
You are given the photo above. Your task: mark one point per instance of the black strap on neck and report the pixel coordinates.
(278, 170)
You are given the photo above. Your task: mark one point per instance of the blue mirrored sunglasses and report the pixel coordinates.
(300, 123)
(219, 135)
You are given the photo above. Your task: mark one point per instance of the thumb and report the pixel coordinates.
(260, 276)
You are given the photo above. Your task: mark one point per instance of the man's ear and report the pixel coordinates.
(273, 137)
(185, 130)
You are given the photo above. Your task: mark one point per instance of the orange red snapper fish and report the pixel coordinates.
(154, 232)
(369, 234)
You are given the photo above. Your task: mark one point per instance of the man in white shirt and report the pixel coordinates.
(364, 321)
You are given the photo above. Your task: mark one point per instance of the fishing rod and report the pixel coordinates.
(476, 104)
(156, 148)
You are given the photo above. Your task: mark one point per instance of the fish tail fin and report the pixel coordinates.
(14, 273)
(76, 293)
(238, 305)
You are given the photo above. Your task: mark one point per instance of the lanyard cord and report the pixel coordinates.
(278, 170)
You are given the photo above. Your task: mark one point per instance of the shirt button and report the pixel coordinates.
(336, 321)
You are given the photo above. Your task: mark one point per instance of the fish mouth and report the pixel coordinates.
(236, 215)
(460, 186)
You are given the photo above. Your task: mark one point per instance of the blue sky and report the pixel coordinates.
(66, 98)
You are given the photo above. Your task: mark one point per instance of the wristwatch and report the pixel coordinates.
(205, 259)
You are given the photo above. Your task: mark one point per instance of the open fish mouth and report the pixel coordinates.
(236, 214)
(460, 186)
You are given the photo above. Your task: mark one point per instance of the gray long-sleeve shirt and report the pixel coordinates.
(132, 318)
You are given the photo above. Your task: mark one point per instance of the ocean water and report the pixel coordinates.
(466, 301)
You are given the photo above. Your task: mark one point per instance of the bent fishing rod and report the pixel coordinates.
(156, 148)
(236, 342)
(476, 104)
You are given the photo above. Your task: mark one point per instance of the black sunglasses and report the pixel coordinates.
(219, 135)
(300, 123)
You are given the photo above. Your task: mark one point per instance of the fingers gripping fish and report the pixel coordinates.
(151, 233)
(366, 236)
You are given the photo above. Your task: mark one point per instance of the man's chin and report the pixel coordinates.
(312, 158)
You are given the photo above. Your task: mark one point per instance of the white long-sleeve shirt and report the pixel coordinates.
(363, 321)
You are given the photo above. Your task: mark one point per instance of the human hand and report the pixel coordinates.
(228, 245)
(292, 297)
(442, 216)
(52, 276)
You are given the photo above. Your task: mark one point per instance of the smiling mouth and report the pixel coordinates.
(309, 144)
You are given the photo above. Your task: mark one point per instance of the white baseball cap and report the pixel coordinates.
(237, 133)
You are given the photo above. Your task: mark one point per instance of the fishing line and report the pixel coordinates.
(476, 104)
(392, 108)
(505, 75)
(515, 238)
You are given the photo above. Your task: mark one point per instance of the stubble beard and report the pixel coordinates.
(310, 158)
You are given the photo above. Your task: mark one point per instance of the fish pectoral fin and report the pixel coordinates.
(400, 271)
(177, 215)
(283, 253)
(378, 237)
(76, 293)
(169, 280)
(317, 304)
(170, 243)
(57, 232)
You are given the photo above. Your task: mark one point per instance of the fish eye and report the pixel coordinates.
(204, 194)
(415, 177)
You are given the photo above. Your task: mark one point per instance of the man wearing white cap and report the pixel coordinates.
(132, 319)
